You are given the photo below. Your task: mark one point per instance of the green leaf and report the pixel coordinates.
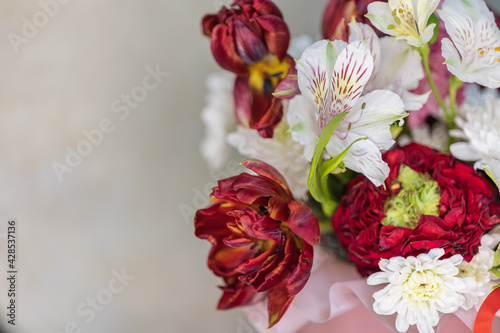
(331, 164)
(283, 92)
(433, 19)
(331, 58)
(396, 130)
(319, 186)
(496, 258)
(495, 271)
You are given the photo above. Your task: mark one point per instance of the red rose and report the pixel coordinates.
(261, 239)
(467, 207)
(251, 39)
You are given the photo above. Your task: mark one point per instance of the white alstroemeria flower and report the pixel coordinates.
(397, 66)
(331, 85)
(404, 19)
(280, 151)
(474, 55)
(479, 269)
(218, 117)
(419, 289)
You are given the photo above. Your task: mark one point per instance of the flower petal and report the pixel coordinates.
(224, 51)
(303, 222)
(276, 34)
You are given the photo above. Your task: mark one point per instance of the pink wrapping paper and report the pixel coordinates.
(337, 299)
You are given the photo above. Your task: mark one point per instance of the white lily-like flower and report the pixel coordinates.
(420, 289)
(280, 151)
(332, 82)
(404, 19)
(473, 54)
(397, 66)
(218, 117)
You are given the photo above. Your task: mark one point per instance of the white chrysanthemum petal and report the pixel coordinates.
(479, 125)
(476, 273)
(218, 117)
(421, 289)
(299, 44)
(280, 151)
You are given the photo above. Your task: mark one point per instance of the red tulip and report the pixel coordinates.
(339, 13)
(246, 32)
(261, 239)
(250, 39)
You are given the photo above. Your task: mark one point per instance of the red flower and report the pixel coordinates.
(339, 13)
(261, 239)
(467, 208)
(250, 39)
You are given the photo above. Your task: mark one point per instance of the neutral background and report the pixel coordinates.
(120, 207)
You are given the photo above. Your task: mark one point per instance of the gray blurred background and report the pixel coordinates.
(118, 208)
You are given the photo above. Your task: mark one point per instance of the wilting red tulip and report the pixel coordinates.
(339, 13)
(261, 239)
(250, 39)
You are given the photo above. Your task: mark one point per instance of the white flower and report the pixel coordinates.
(419, 289)
(396, 66)
(331, 78)
(479, 124)
(404, 19)
(479, 269)
(435, 136)
(474, 55)
(218, 117)
(280, 151)
(299, 44)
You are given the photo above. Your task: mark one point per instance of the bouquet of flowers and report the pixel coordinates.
(380, 141)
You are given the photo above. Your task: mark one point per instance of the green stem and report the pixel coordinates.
(424, 52)
(455, 83)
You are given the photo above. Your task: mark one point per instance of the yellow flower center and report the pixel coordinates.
(422, 286)
(266, 74)
(419, 195)
(405, 22)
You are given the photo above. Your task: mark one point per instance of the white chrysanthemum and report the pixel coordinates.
(479, 126)
(473, 54)
(396, 66)
(435, 136)
(404, 19)
(419, 289)
(280, 151)
(218, 117)
(479, 269)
